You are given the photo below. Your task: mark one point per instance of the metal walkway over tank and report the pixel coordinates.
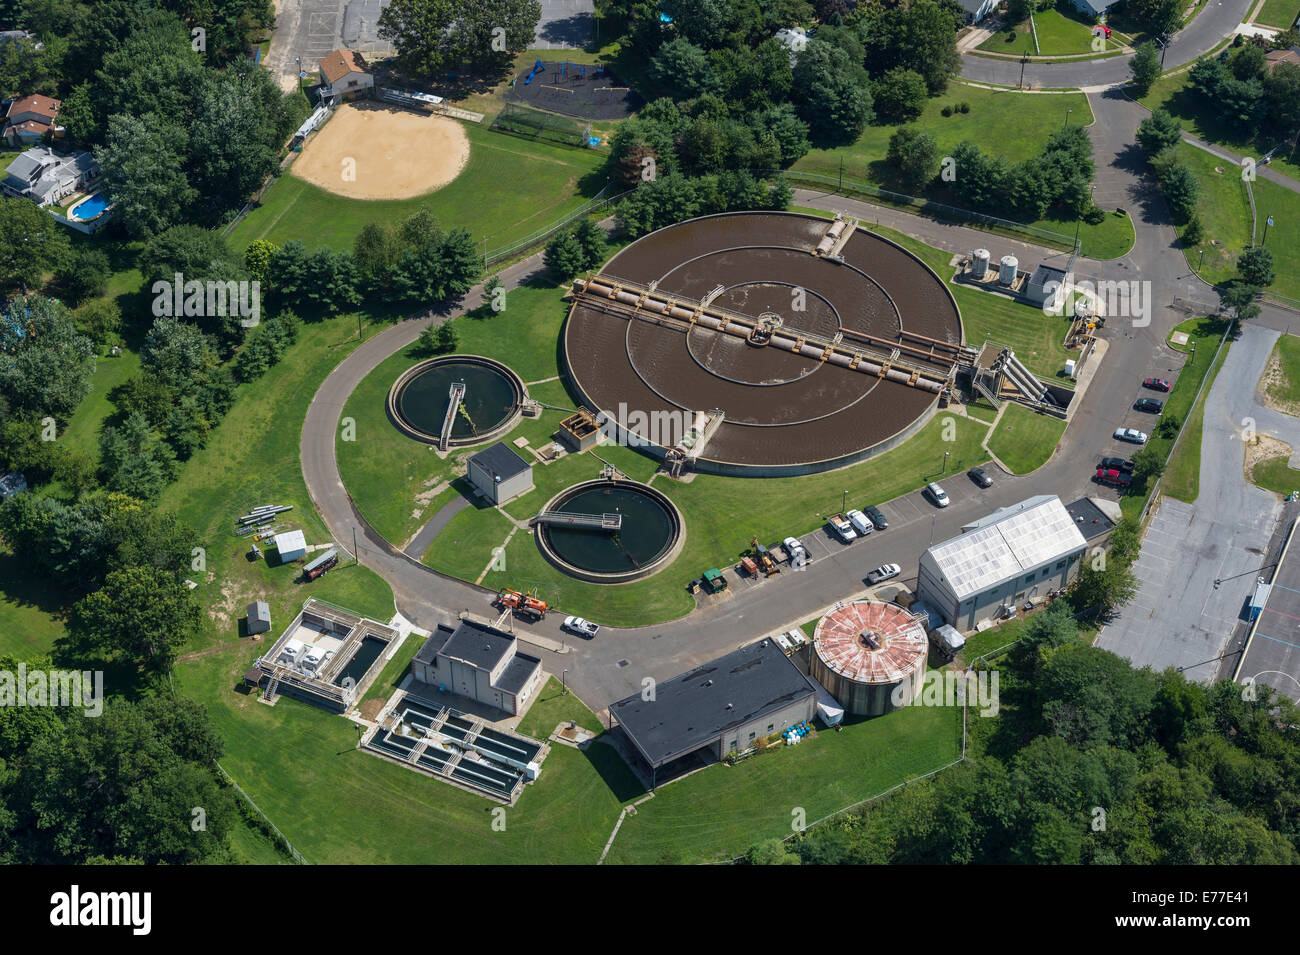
(917, 366)
(455, 395)
(608, 522)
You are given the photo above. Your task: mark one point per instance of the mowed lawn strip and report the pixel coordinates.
(1278, 13)
(508, 189)
(717, 813)
(1024, 439)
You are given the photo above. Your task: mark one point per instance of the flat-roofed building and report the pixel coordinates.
(480, 663)
(721, 706)
(1015, 553)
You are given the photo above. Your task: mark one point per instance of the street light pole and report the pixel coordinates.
(1067, 115)
(844, 506)
(1200, 261)
(1264, 241)
(564, 682)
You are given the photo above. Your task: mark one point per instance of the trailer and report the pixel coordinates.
(325, 562)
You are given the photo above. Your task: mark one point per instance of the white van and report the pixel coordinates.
(861, 523)
(937, 494)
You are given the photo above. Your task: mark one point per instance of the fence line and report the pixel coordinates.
(298, 857)
(925, 206)
(598, 201)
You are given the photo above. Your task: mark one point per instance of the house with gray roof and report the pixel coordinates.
(48, 177)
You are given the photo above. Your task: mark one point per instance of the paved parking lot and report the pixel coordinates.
(565, 25)
(1199, 561)
(1273, 651)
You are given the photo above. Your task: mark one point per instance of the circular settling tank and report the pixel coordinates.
(781, 385)
(418, 400)
(649, 535)
(870, 656)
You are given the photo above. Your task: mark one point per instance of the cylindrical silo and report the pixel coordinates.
(870, 656)
(979, 266)
(1007, 270)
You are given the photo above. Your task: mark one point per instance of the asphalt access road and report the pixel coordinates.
(1208, 28)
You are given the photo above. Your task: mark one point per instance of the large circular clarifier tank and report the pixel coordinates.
(870, 656)
(793, 405)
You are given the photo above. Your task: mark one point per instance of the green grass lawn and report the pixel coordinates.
(716, 814)
(1005, 123)
(1224, 211)
(508, 189)
(1059, 34)
(1009, 124)
(1284, 389)
(1283, 238)
(1278, 13)
(82, 431)
(1277, 475)
(1201, 118)
(1024, 439)
(31, 609)
(1182, 473)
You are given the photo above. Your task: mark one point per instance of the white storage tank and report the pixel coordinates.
(980, 263)
(1007, 270)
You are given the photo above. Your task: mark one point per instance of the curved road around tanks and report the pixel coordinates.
(613, 666)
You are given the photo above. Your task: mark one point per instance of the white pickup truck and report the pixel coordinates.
(842, 527)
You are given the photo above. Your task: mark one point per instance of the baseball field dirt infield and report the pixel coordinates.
(371, 151)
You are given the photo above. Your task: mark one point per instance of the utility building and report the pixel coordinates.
(721, 706)
(1015, 553)
(499, 474)
(480, 663)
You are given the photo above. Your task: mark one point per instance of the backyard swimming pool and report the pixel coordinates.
(88, 209)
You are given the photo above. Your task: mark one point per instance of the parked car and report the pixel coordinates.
(877, 517)
(1149, 405)
(1156, 384)
(1113, 478)
(1116, 464)
(980, 477)
(841, 526)
(578, 625)
(798, 553)
(937, 494)
(883, 572)
(1132, 435)
(861, 523)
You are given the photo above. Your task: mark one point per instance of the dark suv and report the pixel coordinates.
(1151, 405)
(1116, 464)
(876, 517)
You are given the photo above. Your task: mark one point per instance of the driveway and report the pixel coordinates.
(1199, 561)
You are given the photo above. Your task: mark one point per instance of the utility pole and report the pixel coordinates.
(1023, 61)
(356, 553)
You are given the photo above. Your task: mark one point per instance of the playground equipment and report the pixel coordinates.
(537, 68)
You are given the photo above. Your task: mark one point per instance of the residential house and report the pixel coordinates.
(29, 119)
(47, 177)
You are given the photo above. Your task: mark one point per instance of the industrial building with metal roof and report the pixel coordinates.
(1014, 554)
(720, 706)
